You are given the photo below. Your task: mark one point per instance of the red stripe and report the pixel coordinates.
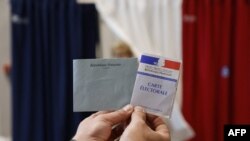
(172, 65)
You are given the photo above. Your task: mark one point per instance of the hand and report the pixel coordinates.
(99, 126)
(145, 127)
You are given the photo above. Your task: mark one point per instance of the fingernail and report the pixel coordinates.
(139, 109)
(128, 108)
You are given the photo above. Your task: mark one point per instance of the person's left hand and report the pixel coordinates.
(99, 126)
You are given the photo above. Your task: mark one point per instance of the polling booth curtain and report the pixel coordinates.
(216, 51)
(46, 36)
(154, 27)
(147, 26)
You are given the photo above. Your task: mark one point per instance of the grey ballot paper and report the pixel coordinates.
(103, 84)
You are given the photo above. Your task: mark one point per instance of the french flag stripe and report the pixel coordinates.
(149, 60)
(172, 65)
(154, 61)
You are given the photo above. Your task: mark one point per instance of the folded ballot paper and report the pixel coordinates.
(103, 84)
(156, 84)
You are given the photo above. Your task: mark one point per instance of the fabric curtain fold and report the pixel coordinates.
(216, 52)
(46, 36)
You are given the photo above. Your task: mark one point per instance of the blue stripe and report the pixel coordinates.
(156, 76)
(149, 60)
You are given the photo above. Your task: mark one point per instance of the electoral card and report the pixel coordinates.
(156, 84)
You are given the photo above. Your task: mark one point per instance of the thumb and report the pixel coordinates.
(138, 115)
(118, 116)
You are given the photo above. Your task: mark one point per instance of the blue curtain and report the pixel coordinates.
(46, 36)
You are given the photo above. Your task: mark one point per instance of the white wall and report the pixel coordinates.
(5, 109)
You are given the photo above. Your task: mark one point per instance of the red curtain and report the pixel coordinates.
(216, 59)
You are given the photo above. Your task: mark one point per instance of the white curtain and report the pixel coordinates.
(154, 27)
(151, 26)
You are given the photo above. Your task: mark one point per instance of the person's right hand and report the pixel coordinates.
(144, 127)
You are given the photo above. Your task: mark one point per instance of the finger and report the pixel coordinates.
(118, 116)
(100, 113)
(117, 131)
(150, 119)
(159, 125)
(138, 115)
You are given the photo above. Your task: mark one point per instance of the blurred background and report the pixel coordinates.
(40, 38)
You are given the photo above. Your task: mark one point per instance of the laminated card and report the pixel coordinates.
(156, 84)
